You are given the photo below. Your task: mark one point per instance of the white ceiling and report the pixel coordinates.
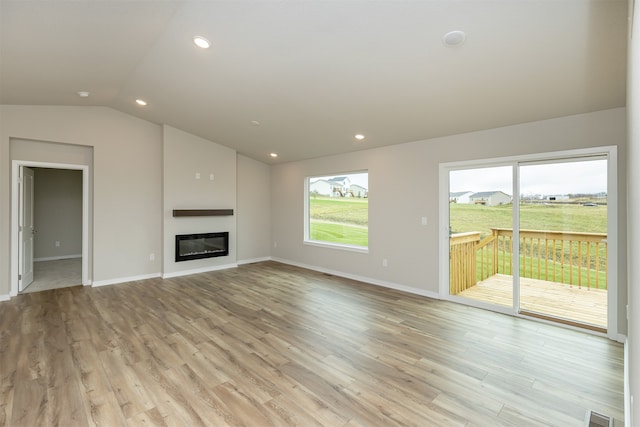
(314, 73)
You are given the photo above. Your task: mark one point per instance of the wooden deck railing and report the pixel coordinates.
(565, 257)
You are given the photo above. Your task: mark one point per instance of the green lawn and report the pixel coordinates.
(345, 220)
(553, 217)
(339, 220)
(559, 217)
(339, 233)
(348, 210)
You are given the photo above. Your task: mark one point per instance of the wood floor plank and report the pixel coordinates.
(130, 392)
(102, 409)
(150, 418)
(211, 409)
(29, 404)
(167, 396)
(245, 409)
(269, 344)
(65, 405)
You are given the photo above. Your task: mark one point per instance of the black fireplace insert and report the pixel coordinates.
(204, 245)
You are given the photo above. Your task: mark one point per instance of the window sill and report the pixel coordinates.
(351, 248)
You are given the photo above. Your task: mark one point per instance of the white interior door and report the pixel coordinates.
(26, 228)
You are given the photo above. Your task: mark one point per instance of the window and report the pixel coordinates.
(337, 210)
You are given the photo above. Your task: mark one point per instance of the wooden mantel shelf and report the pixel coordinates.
(202, 212)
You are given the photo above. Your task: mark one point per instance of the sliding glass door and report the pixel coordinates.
(531, 236)
(480, 205)
(563, 240)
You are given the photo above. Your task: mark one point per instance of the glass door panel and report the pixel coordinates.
(480, 230)
(563, 240)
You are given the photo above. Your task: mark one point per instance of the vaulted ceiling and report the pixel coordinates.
(301, 78)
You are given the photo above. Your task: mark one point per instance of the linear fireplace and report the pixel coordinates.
(198, 246)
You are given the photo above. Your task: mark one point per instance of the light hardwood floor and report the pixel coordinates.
(270, 344)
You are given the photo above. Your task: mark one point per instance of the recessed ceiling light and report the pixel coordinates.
(83, 94)
(274, 155)
(359, 136)
(141, 102)
(255, 122)
(201, 42)
(454, 38)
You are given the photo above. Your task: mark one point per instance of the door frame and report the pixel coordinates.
(15, 191)
(612, 226)
(23, 213)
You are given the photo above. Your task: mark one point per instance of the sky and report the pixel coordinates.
(546, 179)
(588, 177)
(361, 179)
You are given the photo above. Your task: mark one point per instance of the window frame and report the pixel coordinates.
(307, 219)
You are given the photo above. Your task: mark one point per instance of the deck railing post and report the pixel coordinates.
(463, 263)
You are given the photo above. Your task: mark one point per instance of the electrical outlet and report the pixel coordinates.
(424, 220)
(152, 257)
(275, 244)
(57, 244)
(385, 263)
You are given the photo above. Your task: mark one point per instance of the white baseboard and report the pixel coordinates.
(124, 279)
(369, 280)
(198, 270)
(254, 260)
(5, 297)
(57, 258)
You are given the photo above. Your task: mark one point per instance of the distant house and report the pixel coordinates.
(460, 197)
(339, 186)
(321, 187)
(358, 191)
(490, 198)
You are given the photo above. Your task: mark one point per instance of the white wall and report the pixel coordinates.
(633, 230)
(254, 212)
(125, 189)
(131, 190)
(186, 155)
(395, 230)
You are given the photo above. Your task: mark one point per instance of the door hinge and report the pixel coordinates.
(19, 276)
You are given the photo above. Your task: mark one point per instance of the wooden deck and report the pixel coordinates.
(585, 306)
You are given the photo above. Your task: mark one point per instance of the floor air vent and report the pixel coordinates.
(594, 419)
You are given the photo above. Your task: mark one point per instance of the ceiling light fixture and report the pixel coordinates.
(255, 122)
(359, 136)
(201, 42)
(83, 94)
(141, 102)
(274, 155)
(454, 38)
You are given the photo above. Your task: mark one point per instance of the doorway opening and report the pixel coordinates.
(44, 255)
(537, 238)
